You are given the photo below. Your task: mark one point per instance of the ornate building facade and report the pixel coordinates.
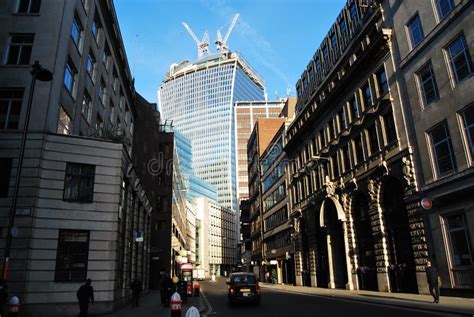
(353, 191)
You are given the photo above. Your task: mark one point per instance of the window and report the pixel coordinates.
(373, 139)
(442, 149)
(70, 77)
(415, 31)
(342, 26)
(342, 119)
(458, 234)
(79, 182)
(112, 113)
(90, 64)
(459, 59)
(28, 6)
(354, 108)
(77, 32)
(64, 122)
(5, 170)
(389, 127)
(95, 29)
(326, 53)
(367, 95)
(335, 166)
(102, 91)
(444, 7)
(359, 149)
(10, 107)
(86, 107)
(72, 256)
(427, 83)
(382, 82)
(19, 49)
(333, 40)
(99, 125)
(353, 11)
(468, 122)
(346, 151)
(106, 56)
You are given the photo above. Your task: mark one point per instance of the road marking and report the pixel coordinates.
(209, 307)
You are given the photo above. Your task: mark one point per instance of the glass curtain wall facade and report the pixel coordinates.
(199, 97)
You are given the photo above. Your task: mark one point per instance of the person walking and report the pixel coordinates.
(85, 294)
(182, 289)
(167, 287)
(136, 290)
(432, 279)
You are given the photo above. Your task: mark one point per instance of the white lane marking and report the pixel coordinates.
(209, 307)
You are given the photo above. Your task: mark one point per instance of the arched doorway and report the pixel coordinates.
(402, 269)
(366, 270)
(333, 218)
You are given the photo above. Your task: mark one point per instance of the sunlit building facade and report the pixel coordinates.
(199, 97)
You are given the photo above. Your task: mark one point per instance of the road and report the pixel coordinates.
(284, 303)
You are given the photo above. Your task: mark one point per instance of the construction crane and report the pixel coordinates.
(203, 45)
(221, 43)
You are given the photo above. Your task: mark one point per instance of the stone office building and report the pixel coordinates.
(81, 204)
(353, 191)
(433, 52)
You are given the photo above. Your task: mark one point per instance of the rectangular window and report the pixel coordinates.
(468, 123)
(72, 256)
(382, 81)
(415, 31)
(99, 125)
(359, 149)
(77, 32)
(342, 26)
(373, 139)
(90, 66)
(353, 11)
(335, 166)
(70, 77)
(5, 170)
(95, 29)
(333, 40)
(389, 127)
(86, 107)
(427, 83)
(442, 149)
(342, 119)
(64, 122)
(10, 107)
(19, 49)
(444, 7)
(367, 96)
(79, 182)
(28, 6)
(106, 56)
(354, 108)
(112, 113)
(102, 91)
(458, 234)
(326, 53)
(346, 151)
(459, 59)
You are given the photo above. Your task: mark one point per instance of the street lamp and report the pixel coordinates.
(41, 74)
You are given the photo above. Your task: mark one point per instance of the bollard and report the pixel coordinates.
(192, 312)
(197, 288)
(175, 305)
(14, 306)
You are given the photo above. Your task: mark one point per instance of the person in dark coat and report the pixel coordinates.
(167, 287)
(85, 294)
(136, 290)
(3, 295)
(432, 279)
(182, 289)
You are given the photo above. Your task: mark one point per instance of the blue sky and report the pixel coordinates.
(277, 37)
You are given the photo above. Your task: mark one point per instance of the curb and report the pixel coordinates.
(374, 302)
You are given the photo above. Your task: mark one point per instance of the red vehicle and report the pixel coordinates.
(243, 288)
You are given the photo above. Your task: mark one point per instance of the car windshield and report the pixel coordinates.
(244, 279)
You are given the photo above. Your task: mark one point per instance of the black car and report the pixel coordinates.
(243, 288)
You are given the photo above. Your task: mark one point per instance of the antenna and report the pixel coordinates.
(221, 43)
(203, 45)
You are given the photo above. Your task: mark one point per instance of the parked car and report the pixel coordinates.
(243, 288)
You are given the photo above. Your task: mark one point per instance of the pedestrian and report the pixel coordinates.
(432, 278)
(3, 295)
(136, 290)
(85, 294)
(182, 288)
(167, 287)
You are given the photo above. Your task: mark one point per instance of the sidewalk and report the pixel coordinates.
(413, 301)
(150, 306)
